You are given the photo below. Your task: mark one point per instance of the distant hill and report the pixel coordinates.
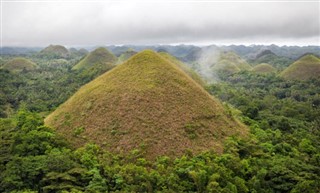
(19, 65)
(80, 52)
(145, 103)
(264, 68)
(229, 63)
(100, 58)
(54, 51)
(267, 56)
(126, 55)
(304, 68)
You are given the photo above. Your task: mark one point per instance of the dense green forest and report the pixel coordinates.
(281, 153)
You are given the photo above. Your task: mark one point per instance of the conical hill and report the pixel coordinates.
(100, 58)
(20, 64)
(55, 51)
(148, 103)
(304, 68)
(264, 68)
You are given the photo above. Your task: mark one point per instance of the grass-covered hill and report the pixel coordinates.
(229, 63)
(264, 68)
(126, 55)
(267, 56)
(194, 75)
(19, 64)
(100, 58)
(304, 68)
(145, 103)
(54, 51)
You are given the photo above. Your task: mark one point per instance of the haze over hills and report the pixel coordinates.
(306, 67)
(195, 76)
(145, 102)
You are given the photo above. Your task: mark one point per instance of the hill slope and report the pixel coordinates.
(149, 103)
(263, 68)
(183, 67)
(304, 68)
(19, 64)
(100, 58)
(126, 55)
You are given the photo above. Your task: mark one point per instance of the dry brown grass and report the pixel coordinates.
(20, 64)
(146, 102)
(304, 68)
(264, 68)
(99, 58)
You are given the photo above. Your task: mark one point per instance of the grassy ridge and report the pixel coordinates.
(149, 103)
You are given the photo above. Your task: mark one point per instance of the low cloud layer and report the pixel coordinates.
(156, 22)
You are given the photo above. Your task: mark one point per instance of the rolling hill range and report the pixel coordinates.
(100, 59)
(306, 67)
(264, 68)
(145, 103)
(19, 64)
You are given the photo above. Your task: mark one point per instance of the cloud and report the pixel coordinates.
(156, 22)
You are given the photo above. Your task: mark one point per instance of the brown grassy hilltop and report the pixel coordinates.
(304, 68)
(19, 64)
(264, 68)
(149, 103)
(100, 58)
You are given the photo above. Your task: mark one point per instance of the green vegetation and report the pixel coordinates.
(20, 65)
(263, 68)
(306, 67)
(150, 100)
(280, 154)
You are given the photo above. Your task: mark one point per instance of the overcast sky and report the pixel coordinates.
(79, 23)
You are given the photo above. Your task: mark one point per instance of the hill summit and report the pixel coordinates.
(149, 103)
(304, 68)
(264, 68)
(100, 58)
(55, 51)
(19, 64)
(229, 63)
